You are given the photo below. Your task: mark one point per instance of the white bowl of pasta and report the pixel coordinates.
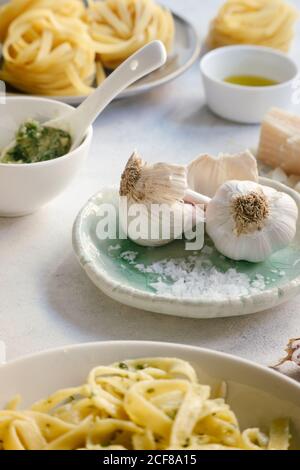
(146, 400)
(26, 187)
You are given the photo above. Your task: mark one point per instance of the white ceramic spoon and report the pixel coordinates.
(146, 60)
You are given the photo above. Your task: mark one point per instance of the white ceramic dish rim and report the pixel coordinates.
(131, 296)
(181, 348)
(55, 160)
(266, 50)
(139, 89)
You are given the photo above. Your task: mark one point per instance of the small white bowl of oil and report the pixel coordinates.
(243, 82)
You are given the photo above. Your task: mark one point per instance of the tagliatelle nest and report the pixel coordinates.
(261, 22)
(120, 28)
(48, 54)
(15, 8)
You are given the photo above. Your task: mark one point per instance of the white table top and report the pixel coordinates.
(47, 301)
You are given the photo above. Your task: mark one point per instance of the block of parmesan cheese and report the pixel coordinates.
(279, 145)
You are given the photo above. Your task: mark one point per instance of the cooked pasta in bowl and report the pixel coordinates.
(164, 397)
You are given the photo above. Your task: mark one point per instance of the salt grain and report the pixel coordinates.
(114, 247)
(192, 277)
(207, 250)
(129, 256)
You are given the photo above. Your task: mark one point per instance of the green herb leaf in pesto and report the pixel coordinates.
(124, 366)
(36, 143)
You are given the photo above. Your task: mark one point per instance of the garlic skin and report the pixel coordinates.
(249, 222)
(207, 173)
(145, 185)
(186, 216)
(160, 183)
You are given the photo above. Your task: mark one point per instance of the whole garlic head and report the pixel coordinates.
(207, 173)
(249, 222)
(156, 192)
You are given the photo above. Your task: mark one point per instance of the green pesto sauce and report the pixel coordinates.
(250, 80)
(36, 143)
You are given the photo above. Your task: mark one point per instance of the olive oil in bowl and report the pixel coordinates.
(250, 80)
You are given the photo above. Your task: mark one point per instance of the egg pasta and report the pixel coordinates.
(119, 28)
(260, 22)
(48, 54)
(14, 8)
(61, 47)
(142, 404)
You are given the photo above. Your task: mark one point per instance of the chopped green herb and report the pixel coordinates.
(150, 390)
(38, 143)
(114, 436)
(124, 366)
(172, 414)
(106, 444)
(187, 443)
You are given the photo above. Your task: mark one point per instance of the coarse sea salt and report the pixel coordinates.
(129, 256)
(192, 277)
(114, 248)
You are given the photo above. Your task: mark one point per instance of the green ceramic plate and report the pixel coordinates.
(115, 267)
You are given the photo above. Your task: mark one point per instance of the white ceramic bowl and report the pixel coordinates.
(256, 394)
(246, 104)
(25, 188)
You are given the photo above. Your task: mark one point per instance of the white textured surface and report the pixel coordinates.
(47, 301)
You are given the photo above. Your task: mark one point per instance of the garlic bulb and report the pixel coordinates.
(152, 209)
(249, 222)
(207, 173)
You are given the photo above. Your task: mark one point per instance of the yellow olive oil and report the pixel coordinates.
(250, 80)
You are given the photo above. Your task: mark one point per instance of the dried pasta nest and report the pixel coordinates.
(261, 22)
(13, 9)
(120, 28)
(48, 54)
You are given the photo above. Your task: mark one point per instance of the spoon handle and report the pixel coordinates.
(144, 61)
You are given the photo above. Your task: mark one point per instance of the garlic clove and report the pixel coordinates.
(249, 222)
(207, 173)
